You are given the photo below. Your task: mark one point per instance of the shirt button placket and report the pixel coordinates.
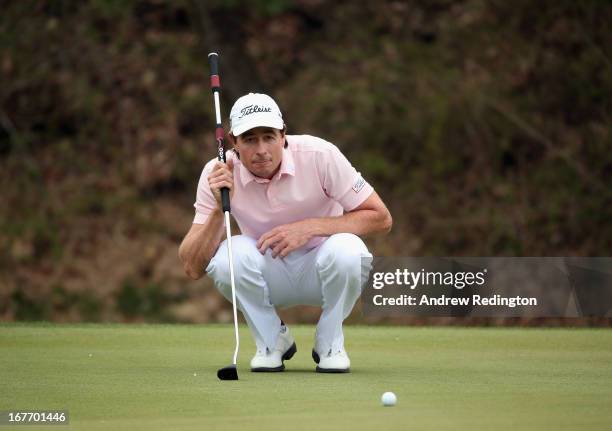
(270, 195)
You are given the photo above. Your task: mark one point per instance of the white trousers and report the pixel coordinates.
(330, 275)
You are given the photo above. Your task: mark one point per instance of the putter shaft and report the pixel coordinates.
(231, 265)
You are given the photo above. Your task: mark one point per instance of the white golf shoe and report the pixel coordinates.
(333, 362)
(272, 361)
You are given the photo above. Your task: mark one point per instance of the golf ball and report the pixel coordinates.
(388, 399)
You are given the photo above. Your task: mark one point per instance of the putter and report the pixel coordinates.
(230, 372)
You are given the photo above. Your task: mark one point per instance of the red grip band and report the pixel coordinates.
(215, 81)
(219, 134)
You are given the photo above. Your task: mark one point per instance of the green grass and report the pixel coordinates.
(142, 377)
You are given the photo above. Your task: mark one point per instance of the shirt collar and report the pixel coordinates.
(287, 167)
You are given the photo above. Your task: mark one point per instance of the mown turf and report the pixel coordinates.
(142, 377)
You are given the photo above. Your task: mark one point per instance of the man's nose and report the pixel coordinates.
(261, 148)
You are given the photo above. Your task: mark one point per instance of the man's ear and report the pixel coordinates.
(283, 133)
(231, 138)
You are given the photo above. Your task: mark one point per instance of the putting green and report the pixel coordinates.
(142, 377)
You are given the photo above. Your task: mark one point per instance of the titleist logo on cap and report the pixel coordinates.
(251, 109)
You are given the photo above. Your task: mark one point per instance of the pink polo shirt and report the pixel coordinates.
(314, 180)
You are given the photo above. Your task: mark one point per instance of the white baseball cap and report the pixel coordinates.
(255, 110)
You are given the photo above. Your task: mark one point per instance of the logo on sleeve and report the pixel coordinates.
(359, 183)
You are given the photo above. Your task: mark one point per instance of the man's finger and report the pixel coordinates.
(269, 242)
(223, 167)
(221, 174)
(221, 184)
(286, 250)
(278, 247)
(262, 239)
(265, 236)
(221, 177)
(215, 182)
(221, 171)
(265, 245)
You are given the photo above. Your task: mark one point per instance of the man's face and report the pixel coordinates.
(261, 150)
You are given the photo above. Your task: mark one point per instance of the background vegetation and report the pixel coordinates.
(485, 126)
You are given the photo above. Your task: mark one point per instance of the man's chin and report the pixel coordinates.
(263, 171)
(260, 173)
(266, 175)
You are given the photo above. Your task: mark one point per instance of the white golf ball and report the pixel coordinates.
(388, 399)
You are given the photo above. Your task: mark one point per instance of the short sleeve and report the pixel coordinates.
(341, 181)
(205, 202)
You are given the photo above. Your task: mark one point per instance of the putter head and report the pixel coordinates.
(228, 373)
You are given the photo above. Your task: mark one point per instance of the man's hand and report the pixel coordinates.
(285, 238)
(221, 176)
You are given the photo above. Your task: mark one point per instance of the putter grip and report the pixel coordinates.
(213, 62)
(225, 201)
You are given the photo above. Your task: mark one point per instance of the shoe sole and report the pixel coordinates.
(317, 359)
(286, 356)
(333, 370)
